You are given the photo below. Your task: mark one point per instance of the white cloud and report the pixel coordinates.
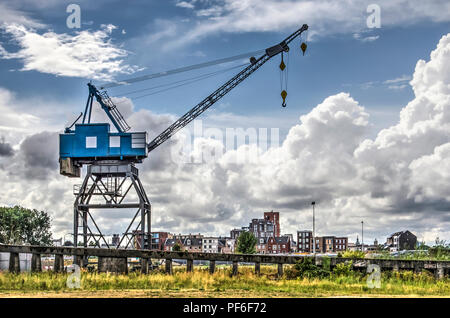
(398, 87)
(184, 4)
(403, 78)
(88, 54)
(12, 16)
(325, 17)
(372, 38)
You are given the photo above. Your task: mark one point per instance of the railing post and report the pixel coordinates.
(169, 266)
(112, 265)
(417, 267)
(58, 265)
(14, 262)
(439, 272)
(257, 268)
(280, 269)
(234, 272)
(189, 265)
(77, 260)
(36, 265)
(395, 266)
(212, 266)
(144, 265)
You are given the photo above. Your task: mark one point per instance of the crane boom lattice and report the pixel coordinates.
(206, 103)
(224, 89)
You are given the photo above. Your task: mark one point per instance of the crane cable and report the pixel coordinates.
(181, 69)
(284, 73)
(177, 84)
(304, 43)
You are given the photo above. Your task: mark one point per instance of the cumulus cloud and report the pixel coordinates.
(88, 54)
(399, 179)
(5, 148)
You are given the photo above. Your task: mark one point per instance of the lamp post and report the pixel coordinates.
(314, 228)
(362, 236)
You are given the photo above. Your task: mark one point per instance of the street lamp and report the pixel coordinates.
(314, 228)
(362, 236)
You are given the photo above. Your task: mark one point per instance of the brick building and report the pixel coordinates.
(341, 244)
(158, 240)
(403, 240)
(278, 245)
(192, 244)
(261, 245)
(274, 217)
(170, 243)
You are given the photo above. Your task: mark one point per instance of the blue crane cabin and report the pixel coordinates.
(93, 142)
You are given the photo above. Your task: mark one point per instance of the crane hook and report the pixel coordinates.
(283, 95)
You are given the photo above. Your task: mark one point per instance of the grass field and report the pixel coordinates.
(202, 284)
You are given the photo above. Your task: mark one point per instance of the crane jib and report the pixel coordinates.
(224, 89)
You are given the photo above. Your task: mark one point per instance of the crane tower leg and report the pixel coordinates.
(109, 186)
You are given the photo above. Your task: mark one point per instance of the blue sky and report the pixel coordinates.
(45, 67)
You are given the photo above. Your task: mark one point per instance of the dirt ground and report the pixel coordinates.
(176, 294)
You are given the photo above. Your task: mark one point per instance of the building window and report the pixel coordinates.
(114, 141)
(91, 142)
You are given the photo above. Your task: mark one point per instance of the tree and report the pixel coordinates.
(246, 243)
(176, 247)
(19, 225)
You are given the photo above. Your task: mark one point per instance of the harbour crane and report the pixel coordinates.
(113, 155)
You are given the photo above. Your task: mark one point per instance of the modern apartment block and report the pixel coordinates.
(341, 244)
(158, 240)
(324, 244)
(210, 245)
(304, 241)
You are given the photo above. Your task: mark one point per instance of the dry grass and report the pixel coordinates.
(201, 284)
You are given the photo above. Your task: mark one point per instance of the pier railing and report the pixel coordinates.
(116, 260)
